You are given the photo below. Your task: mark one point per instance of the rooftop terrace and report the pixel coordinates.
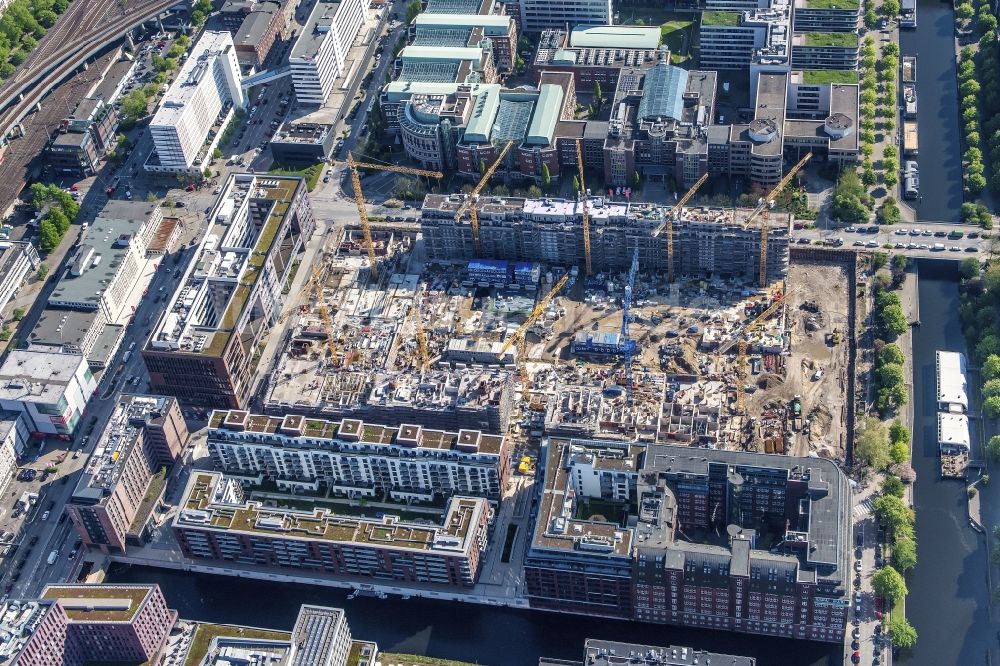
(204, 508)
(220, 279)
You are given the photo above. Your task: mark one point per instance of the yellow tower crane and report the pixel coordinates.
(470, 203)
(518, 335)
(586, 216)
(324, 312)
(668, 224)
(359, 197)
(742, 344)
(764, 207)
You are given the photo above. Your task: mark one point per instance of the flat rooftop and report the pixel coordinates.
(18, 620)
(101, 253)
(116, 443)
(220, 278)
(204, 506)
(952, 381)
(315, 30)
(614, 653)
(99, 603)
(297, 132)
(38, 376)
(303, 432)
(200, 63)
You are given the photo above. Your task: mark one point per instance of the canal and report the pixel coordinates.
(949, 601)
(937, 111)
(478, 634)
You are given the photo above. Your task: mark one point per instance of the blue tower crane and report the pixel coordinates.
(627, 343)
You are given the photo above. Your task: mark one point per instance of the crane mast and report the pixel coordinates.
(764, 207)
(627, 343)
(359, 198)
(673, 214)
(586, 216)
(470, 203)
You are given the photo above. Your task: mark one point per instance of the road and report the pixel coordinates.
(901, 240)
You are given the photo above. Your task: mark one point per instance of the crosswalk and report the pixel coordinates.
(863, 509)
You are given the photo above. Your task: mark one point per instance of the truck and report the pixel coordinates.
(53, 556)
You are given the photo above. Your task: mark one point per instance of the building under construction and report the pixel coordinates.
(708, 242)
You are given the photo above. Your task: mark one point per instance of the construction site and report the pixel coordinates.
(682, 352)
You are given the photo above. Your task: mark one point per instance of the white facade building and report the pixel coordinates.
(319, 56)
(17, 261)
(537, 15)
(50, 389)
(201, 98)
(13, 437)
(953, 432)
(358, 458)
(952, 384)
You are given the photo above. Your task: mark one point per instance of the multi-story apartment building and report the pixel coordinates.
(257, 34)
(825, 50)
(837, 16)
(83, 138)
(465, 29)
(203, 347)
(536, 15)
(216, 523)
(13, 436)
(706, 241)
(200, 101)
(320, 53)
(360, 459)
(50, 389)
(125, 476)
(74, 625)
(736, 39)
(613, 653)
(680, 545)
(86, 311)
(17, 260)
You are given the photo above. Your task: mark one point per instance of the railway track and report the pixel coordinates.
(94, 29)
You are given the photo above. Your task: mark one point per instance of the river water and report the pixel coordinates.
(937, 111)
(949, 597)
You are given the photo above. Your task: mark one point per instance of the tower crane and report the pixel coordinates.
(586, 216)
(324, 313)
(359, 197)
(764, 207)
(518, 335)
(741, 340)
(627, 343)
(668, 224)
(470, 203)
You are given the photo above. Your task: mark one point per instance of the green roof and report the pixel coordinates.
(818, 77)
(833, 4)
(837, 39)
(720, 18)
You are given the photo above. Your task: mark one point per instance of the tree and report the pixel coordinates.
(904, 555)
(412, 10)
(900, 632)
(893, 513)
(988, 345)
(899, 432)
(43, 272)
(48, 236)
(964, 10)
(546, 175)
(879, 259)
(17, 314)
(993, 449)
(991, 366)
(576, 183)
(636, 180)
(991, 407)
(968, 269)
(890, 398)
(888, 211)
(899, 452)
(871, 445)
(889, 584)
(134, 106)
(891, 353)
(891, 374)
(598, 97)
(534, 192)
(893, 486)
(217, 153)
(892, 321)
(991, 388)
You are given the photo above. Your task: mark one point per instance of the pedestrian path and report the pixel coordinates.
(864, 509)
